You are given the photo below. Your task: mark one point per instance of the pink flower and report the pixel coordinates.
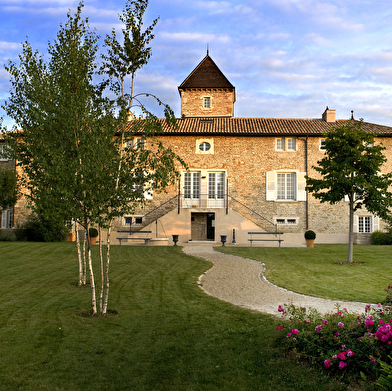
(325, 322)
(318, 328)
(288, 335)
(342, 364)
(327, 363)
(294, 331)
(381, 322)
(279, 328)
(340, 324)
(342, 356)
(367, 307)
(372, 360)
(369, 322)
(294, 339)
(350, 353)
(307, 321)
(281, 309)
(334, 357)
(379, 305)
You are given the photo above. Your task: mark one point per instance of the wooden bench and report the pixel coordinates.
(251, 240)
(145, 239)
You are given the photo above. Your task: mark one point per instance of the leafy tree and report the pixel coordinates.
(9, 188)
(351, 167)
(76, 148)
(152, 165)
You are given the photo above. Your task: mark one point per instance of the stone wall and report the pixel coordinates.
(222, 103)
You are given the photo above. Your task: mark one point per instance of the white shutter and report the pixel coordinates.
(4, 219)
(376, 223)
(270, 193)
(301, 184)
(356, 223)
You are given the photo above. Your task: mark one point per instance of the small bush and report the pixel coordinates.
(310, 234)
(93, 232)
(381, 238)
(346, 345)
(7, 235)
(44, 229)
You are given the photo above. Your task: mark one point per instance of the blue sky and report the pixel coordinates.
(286, 58)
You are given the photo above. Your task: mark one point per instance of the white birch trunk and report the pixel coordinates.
(85, 239)
(101, 267)
(80, 280)
(92, 281)
(105, 304)
(350, 232)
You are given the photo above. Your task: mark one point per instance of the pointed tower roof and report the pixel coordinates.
(206, 75)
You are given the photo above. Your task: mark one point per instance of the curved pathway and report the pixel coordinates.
(240, 281)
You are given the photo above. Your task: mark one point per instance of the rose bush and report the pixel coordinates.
(345, 344)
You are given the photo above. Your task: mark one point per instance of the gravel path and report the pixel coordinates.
(240, 281)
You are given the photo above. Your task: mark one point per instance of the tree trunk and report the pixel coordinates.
(85, 239)
(90, 267)
(101, 269)
(350, 232)
(80, 280)
(105, 305)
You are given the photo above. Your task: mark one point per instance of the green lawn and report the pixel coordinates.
(165, 333)
(320, 271)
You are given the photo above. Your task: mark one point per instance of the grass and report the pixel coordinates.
(321, 271)
(165, 333)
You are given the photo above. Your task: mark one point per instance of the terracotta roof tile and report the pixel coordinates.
(262, 126)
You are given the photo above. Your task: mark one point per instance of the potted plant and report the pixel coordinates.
(309, 237)
(93, 233)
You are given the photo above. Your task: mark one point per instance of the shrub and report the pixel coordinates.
(345, 344)
(310, 234)
(381, 238)
(92, 232)
(45, 229)
(7, 235)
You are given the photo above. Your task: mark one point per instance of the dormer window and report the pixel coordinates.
(286, 144)
(207, 102)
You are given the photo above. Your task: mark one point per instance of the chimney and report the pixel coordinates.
(329, 115)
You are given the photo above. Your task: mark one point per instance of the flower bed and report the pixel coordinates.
(346, 345)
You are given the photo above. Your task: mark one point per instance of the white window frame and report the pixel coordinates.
(6, 218)
(272, 186)
(284, 144)
(361, 222)
(200, 142)
(286, 221)
(133, 217)
(207, 103)
(322, 144)
(3, 153)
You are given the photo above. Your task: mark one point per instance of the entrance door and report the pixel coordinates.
(210, 226)
(203, 226)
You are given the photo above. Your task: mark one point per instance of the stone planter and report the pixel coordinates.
(159, 241)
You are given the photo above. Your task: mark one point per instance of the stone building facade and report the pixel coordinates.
(247, 174)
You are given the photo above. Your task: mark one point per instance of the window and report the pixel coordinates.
(286, 144)
(216, 189)
(204, 147)
(192, 185)
(286, 220)
(322, 144)
(133, 220)
(4, 155)
(207, 102)
(364, 224)
(6, 218)
(285, 186)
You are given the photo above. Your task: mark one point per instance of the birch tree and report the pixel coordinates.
(76, 147)
(352, 168)
(150, 167)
